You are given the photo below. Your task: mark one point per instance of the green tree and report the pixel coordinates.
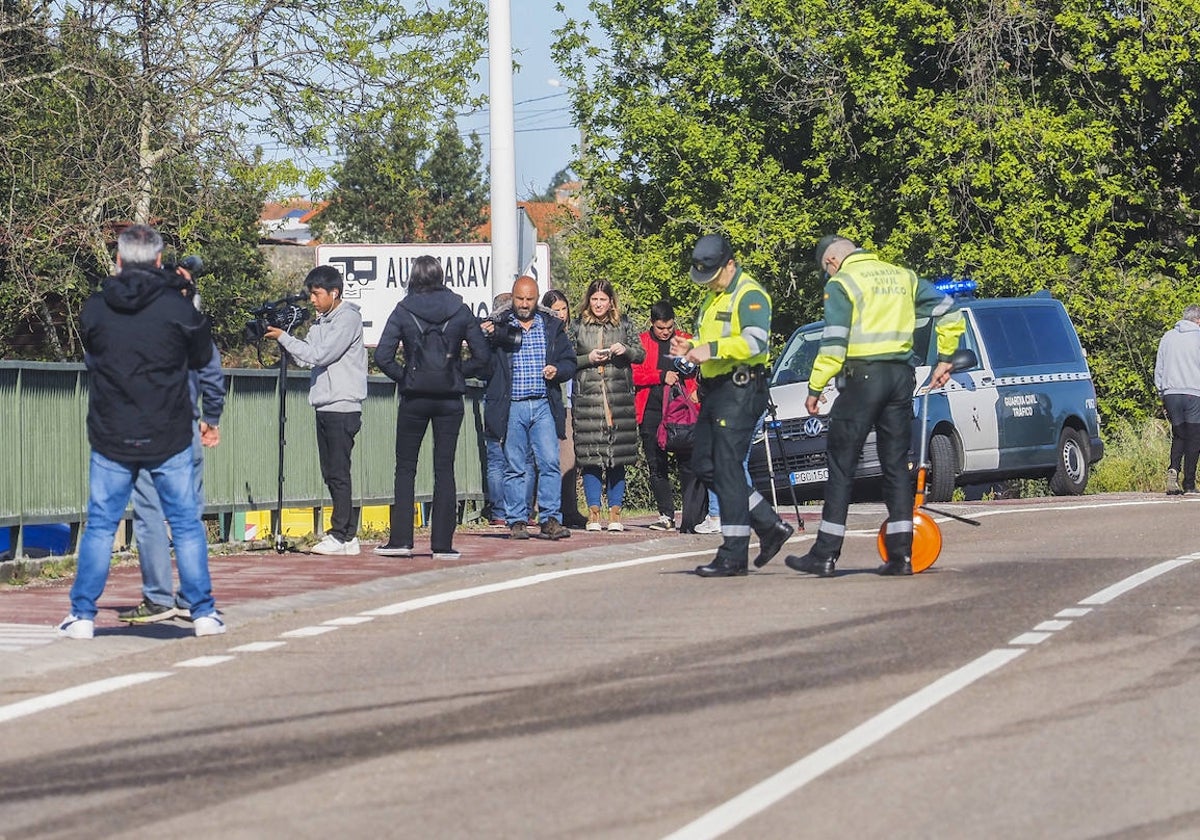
(402, 188)
(1028, 145)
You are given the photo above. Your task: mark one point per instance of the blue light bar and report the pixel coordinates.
(961, 287)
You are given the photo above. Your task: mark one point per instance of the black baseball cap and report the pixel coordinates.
(710, 255)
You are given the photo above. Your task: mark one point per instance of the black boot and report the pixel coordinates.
(812, 564)
(897, 568)
(773, 540)
(722, 567)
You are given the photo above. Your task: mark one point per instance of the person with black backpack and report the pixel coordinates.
(431, 324)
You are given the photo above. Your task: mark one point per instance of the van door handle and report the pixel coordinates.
(987, 380)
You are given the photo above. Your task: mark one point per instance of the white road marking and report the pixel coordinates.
(1073, 612)
(303, 632)
(1133, 581)
(203, 661)
(256, 647)
(757, 799)
(520, 583)
(1052, 626)
(79, 692)
(784, 783)
(1030, 639)
(349, 620)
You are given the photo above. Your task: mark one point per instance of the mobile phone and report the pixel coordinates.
(604, 352)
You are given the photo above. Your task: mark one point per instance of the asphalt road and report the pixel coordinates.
(1041, 680)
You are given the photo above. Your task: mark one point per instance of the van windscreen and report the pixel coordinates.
(795, 365)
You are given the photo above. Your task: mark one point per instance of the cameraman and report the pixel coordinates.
(335, 352)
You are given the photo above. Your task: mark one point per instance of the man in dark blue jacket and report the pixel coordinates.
(524, 408)
(141, 338)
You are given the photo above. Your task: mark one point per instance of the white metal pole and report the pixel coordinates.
(503, 151)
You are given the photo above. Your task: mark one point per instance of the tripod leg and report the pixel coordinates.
(771, 412)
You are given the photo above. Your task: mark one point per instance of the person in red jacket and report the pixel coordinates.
(653, 380)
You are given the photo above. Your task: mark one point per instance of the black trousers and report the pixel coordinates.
(691, 489)
(1183, 410)
(728, 416)
(335, 441)
(412, 419)
(877, 395)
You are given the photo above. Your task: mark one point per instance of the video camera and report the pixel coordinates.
(505, 336)
(283, 314)
(193, 265)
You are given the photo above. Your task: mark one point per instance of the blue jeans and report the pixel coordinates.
(592, 485)
(110, 484)
(531, 430)
(496, 465)
(150, 530)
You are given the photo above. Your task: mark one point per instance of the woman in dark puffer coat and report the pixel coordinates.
(606, 430)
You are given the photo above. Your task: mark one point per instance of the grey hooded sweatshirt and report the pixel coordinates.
(1177, 368)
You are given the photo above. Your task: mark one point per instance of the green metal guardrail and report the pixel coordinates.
(44, 477)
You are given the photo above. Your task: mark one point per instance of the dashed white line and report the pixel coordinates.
(203, 661)
(757, 799)
(304, 632)
(348, 620)
(256, 647)
(1030, 639)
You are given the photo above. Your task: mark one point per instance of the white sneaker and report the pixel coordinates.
(329, 545)
(710, 525)
(664, 523)
(447, 555)
(208, 625)
(74, 627)
(616, 526)
(351, 546)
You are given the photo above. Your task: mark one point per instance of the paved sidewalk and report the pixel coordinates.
(240, 579)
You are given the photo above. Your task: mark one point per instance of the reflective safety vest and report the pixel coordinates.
(882, 296)
(719, 322)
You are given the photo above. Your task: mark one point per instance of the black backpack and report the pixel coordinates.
(431, 365)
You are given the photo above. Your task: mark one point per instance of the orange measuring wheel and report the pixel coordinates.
(926, 545)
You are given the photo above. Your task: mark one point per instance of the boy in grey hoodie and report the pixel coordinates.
(334, 349)
(1177, 378)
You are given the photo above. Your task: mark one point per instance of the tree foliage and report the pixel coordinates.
(1049, 145)
(406, 186)
(157, 112)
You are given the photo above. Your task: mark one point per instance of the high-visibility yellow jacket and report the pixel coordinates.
(872, 309)
(736, 324)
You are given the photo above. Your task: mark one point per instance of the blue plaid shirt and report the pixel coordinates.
(529, 361)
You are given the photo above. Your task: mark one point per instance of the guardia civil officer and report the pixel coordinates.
(872, 309)
(730, 345)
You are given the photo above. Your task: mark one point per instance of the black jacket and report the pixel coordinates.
(141, 336)
(433, 307)
(498, 396)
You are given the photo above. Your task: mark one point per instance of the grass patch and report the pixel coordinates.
(1135, 458)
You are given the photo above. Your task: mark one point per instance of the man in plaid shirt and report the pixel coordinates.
(524, 408)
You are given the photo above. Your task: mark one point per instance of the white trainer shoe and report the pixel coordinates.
(710, 525)
(351, 546)
(331, 545)
(208, 625)
(74, 627)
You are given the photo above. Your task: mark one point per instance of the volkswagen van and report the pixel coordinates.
(1026, 410)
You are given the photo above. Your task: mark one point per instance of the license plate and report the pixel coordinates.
(810, 476)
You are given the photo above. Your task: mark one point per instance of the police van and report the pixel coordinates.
(1026, 410)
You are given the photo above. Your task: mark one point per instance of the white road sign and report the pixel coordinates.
(376, 276)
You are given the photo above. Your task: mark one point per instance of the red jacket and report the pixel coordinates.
(646, 374)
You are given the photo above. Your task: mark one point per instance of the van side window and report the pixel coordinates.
(925, 344)
(1031, 335)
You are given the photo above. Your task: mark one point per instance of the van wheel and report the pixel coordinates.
(943, 469)
(1072, 469)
